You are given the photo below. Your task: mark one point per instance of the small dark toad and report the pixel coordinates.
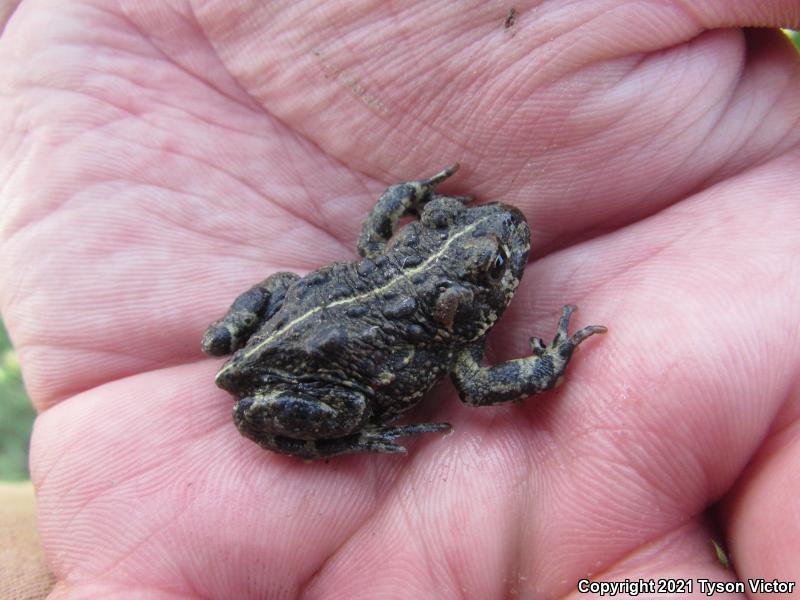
(323, 364)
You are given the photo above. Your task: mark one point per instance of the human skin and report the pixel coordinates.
(159, 158)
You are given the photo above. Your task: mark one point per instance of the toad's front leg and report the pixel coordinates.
(247, 312)
(398, 201)
(522, 377)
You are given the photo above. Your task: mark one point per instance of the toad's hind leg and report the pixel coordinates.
(397, 201)
(319, 426)
(517, 379)
(379, 440)
(247, 312)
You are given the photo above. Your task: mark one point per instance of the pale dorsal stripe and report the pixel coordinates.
(354, 299)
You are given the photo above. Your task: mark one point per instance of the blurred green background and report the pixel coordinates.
(16, 413)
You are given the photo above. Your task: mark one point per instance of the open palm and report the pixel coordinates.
(159, 158)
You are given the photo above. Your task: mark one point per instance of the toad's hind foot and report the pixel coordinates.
(379, 440)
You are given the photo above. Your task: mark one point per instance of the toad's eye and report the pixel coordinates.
(498, 265)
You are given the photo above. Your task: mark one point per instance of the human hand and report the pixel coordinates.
(159, 159)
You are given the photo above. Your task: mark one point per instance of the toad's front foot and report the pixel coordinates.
(563, 344)
(516, 379)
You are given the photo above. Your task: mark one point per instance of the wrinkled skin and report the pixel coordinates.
(156, 163)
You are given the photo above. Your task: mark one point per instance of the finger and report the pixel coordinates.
(655, 102)
(742, 13)
(681, 563)
(762, 526)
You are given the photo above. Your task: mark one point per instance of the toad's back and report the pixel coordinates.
(365, 324)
